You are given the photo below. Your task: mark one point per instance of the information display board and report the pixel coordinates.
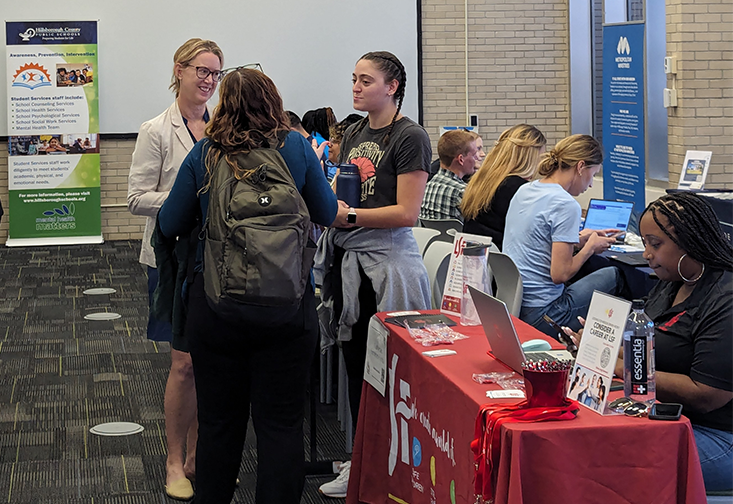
(53, 126)
(624, 168)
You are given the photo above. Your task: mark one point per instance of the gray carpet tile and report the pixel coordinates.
(61, 374)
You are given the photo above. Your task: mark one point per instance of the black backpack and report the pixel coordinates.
(256, 256)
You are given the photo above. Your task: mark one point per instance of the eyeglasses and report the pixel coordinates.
(254, 66)
(629, 407)
(203, 72)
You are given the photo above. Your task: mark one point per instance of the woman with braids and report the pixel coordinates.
(259, 366)
(509, 165)
(692, 310)
(543, 240)
(369, 260)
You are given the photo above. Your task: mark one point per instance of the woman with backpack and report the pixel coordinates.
(162, 144)
(369, 260)
(258, 363)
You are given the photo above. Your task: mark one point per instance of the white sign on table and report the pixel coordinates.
(453, 289)
(375, 367)
(590, 381)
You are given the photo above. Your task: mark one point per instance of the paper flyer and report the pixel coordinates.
(375, 367)
(590, 380)
(53, 127)
(453, 289)
(694, 169)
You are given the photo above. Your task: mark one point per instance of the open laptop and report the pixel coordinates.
(608, 214)
(502, 336)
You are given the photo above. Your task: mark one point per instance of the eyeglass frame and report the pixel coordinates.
(200, 69)
(255, 66)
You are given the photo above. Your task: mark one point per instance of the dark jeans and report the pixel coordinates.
(264, 368)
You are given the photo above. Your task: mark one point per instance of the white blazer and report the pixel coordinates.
(161, 147)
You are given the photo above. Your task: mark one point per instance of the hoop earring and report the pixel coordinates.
(687, 280)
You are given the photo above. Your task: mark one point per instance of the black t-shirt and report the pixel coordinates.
(492, 221)
(695, 338)
(408, 150)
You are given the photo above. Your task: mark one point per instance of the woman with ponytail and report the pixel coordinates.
(369, 260)
(542, 237)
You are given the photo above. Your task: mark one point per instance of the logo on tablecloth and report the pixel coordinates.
(400, 441)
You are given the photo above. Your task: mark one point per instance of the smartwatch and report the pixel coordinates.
(351, 216)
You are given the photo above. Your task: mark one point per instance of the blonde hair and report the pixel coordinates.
(515, 153)
(570, 151)
(451, 144)
(187, 53)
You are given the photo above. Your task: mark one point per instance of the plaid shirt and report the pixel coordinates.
(443, 194)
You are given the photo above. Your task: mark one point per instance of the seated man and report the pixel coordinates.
(444, 192)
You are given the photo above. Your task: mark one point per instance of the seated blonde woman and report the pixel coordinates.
(511, 163)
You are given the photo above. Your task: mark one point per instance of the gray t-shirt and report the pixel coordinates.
(408, 150)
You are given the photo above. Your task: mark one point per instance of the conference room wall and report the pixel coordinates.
(517, 71)
(700, 36)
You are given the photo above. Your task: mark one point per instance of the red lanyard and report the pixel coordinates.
(487, 443)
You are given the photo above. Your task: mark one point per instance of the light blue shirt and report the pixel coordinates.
(539, 214)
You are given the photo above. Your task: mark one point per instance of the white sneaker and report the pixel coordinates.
(337, 488)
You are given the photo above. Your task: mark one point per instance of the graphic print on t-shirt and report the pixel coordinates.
(366, 156)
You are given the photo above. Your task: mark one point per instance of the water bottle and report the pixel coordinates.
(476, 274)
(639, 380)
(348, 185)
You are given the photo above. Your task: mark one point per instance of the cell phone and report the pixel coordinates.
(666, 411)
(571, 347)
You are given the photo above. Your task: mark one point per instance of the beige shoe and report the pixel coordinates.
(180, 489)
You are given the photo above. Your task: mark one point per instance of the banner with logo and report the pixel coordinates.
(624, 169)
(53, 128)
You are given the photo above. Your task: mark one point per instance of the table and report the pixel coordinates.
(413, 446)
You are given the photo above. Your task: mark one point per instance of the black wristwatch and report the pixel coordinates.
(351, 216)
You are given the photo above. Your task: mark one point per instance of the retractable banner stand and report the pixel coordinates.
(53, 128)
(624, 169)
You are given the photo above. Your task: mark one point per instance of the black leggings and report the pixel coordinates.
(355, 349)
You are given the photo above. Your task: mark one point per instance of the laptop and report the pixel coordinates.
(635, 259)
(608, 214)
(502, 336)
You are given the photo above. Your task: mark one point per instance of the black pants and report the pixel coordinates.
(355, 349)
(264, 368)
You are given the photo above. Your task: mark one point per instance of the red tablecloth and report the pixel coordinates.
(413, 446)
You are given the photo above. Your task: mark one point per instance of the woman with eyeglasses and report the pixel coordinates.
(260, 367)
(162, 145)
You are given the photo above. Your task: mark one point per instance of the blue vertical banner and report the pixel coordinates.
(624, 168)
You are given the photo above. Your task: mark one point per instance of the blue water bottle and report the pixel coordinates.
(348, 185)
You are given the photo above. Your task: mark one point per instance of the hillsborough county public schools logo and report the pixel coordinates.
(31, 76)
(57, 219)
(623, 46)
(28, 34)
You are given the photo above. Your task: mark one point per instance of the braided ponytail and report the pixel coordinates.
(393, 69)
(694, 227)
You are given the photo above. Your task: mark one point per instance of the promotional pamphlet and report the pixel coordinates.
(590, 379)
(453, 290)
(375, 367)
(694, 170)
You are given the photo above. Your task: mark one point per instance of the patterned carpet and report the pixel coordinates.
(61, 374)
